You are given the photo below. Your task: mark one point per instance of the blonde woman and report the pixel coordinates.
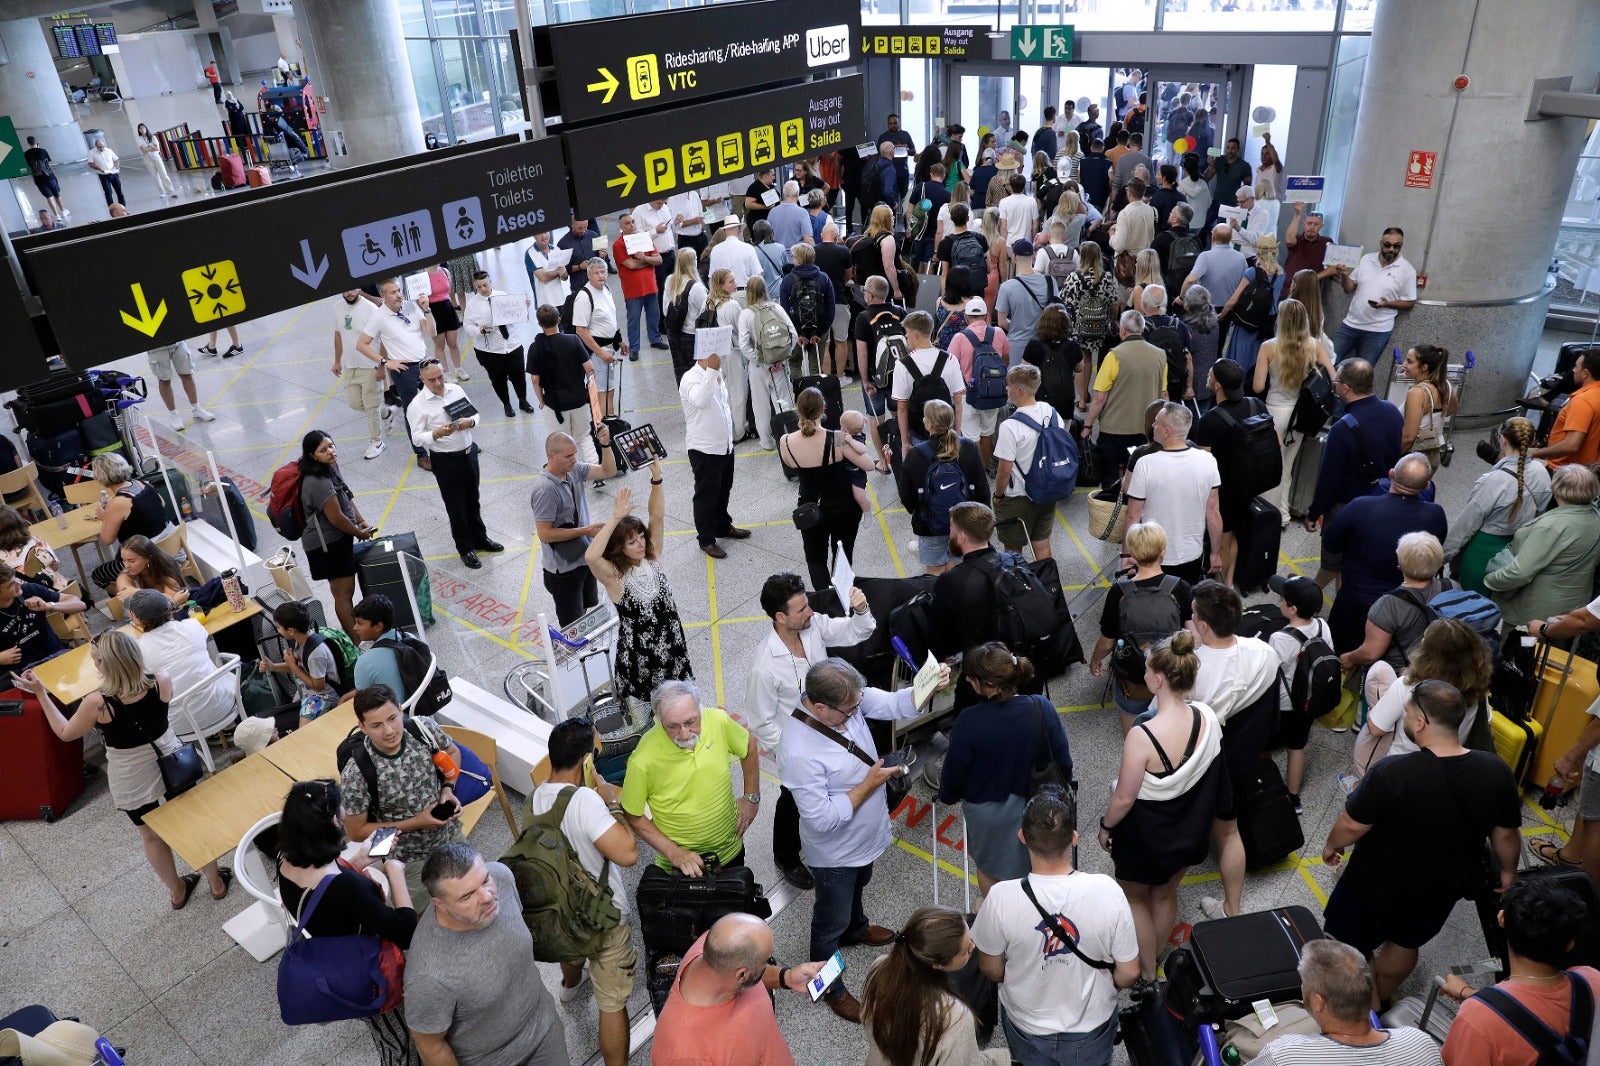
(874, 254)
(683, 286)
(999, 255)
(1251, 318)
(1285, 361)
(767, 386)
(722, 296)
(961, 194)
(1306, 287)
(1146, 271)
(130, 711)
(1071, 213)
(1071, 157)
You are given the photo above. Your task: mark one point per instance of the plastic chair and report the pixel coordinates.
(72, 629)
(263, 932)
(21, 488)
(483, 745)
(176, 544)
(181, 710)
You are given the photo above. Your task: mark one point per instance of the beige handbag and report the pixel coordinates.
(287, 574)
(1249, 1037)
(1108, 516)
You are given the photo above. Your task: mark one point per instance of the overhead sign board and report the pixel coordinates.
(1041, 44)
(606, 68)
(616, 166)
(178, 276)
(940, 42)
(24, 361)
(12, 164)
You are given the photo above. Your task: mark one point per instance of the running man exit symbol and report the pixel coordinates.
(214, 291)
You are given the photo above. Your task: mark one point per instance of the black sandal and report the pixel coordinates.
(189, 883)
(227, 879)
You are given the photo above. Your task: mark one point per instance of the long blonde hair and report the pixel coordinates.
(1518, 432)
(882, 221)
(1294, 350)
(1070, 145)
(1069, 205)
(122, 670)
(991, 227)
(684, 274)
(938, 417)
(1267, 254)
(1089, 261)
(1147, 268)
(717, 295)
(755, 291)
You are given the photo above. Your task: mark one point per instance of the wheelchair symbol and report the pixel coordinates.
(370, 252)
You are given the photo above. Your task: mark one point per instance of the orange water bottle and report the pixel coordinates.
(447, 766)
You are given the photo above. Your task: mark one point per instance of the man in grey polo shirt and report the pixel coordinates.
(561, 517)
(1219, 268)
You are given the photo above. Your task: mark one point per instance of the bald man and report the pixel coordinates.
(561, 517)
(728, 965)
(1219, 268)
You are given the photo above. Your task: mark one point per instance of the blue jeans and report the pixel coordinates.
(1061, 1049)
(837, 916)
(650, 304)
(1362, 343)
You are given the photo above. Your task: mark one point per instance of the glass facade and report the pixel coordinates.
(461, 63)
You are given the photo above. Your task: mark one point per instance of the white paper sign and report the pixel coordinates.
(638, 243)
(598, 244)
(1234, 216)
(866, 150)
(1346, 255)
(902, 152)
(1260, 129)
(509, 309)
(770, 197)
(1303, 189)
(556, 258)
(417, 287)
(925, 681)
(844, 577)
(713, 340)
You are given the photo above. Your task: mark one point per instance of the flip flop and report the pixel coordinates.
(189, 883)
(1548, 852)
(227, 879)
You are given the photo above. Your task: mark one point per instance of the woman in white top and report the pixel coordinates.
(150, 152)
(495, 344)
(1196, 190)
(1429, 399)
(943, 227)
(1282, 366)
(1270, 170)
(180, 649)
(1146, 271)
(1071, 157)
(1451, 651)
(683, 284)
(910, 1016)
(769, 388)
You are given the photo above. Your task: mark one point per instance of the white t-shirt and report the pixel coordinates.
(349, 320)
(924, 358)
(693, 211)
(1397, 281)
(1020, 212)
(1389, 712)
(552, 293)
(1288, 650)
(595, 311)
(1175, 486)
(1047, 988)
(585, 822)
(1018, 442)
(400, 332)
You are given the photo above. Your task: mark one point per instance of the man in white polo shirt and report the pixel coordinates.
(1176, 486)
(1382, 285)
(594, 319)
(442, 417)
(397, 337)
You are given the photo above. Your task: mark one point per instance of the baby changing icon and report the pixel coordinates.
(463, 222)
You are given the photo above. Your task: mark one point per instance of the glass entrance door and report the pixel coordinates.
(1001, 98)
(1185, 110)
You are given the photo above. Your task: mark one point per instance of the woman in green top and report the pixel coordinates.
(1549, 568)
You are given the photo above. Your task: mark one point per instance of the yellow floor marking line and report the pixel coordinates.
(716, 634)
(883, 524)
(394, 496)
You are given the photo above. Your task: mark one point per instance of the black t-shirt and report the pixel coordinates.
(39, 162)
(1057, 363)
(959, 282)
(1094, 174)
(861, 328)
(1430, 817)
(29, 630)
(353, 905)
(560, 362)
(752, 215)
(833, 259)
(1163, 246)
(1164, 200)
(1111, 613)
(1213, 431)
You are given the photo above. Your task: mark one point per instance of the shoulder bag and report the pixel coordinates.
(894, 789)
(182, 769)
(1044, 773)
(335, 978)
(1053, 923)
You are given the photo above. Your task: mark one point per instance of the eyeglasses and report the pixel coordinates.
(1396, 245)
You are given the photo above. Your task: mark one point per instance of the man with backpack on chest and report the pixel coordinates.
(1038, 466)
(880, 340)
(1239, 433)
(982, 352)
(923, 373)
(1362, 444)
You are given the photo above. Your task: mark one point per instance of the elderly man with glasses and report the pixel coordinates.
(1383, 284)
(830, 762)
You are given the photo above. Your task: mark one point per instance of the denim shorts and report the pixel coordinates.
(1092, 1048)
(606, 374)
(934, 550)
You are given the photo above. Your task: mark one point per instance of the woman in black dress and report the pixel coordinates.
(819, 456)
(131, 508)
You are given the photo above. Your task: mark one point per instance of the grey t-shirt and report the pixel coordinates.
(1404, 621)
(563, 502)
(1022, 300)
(320, 663)
(482, 989)
(314, 493)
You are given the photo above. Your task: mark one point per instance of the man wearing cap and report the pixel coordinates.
(1019, 212)
(1135, 227)
(1219, 268)
(979, 425)
(1300, 601)
(735, 255)
(1021, 300)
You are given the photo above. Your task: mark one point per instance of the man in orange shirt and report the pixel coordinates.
(719, 1013)
(1575, 438)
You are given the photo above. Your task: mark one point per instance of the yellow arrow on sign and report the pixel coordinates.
(626, 181)
(146, 323)
(607, 84)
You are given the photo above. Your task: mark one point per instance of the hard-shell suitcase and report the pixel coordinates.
(1567, 686)
(1267, 823)
(231, 169)
(785, 420)
(1516, 742)
(1586, 946)
(40, 775)
(212, 502)
(1259, 543)
(1232, 962)
(674, 908)
(378, 563)
(258, 176)
(832, 396)
(1303, 482)
(1432, 1013)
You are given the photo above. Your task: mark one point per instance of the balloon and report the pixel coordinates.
(1264, 114)
(1182, 145)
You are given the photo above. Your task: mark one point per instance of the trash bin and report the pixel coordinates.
(90, 136)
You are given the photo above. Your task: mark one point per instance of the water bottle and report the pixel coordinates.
(447, 766)
(105, 500)
(235, 593)
(1231, 1056)
(60, 515)
(187, 508)
(1554, 790)
(196, 612)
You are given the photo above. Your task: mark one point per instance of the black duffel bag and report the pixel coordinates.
(674, 908)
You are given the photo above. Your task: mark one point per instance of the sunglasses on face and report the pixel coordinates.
(1390, 244)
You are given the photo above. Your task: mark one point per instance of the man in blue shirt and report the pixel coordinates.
(828, 760)
(1366, 534)
(374, 630)
(1362, 444)
(1044, 140)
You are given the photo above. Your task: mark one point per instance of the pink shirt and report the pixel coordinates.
(438, 286)
(961, 348)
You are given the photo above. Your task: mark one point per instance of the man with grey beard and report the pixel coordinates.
(680, 772)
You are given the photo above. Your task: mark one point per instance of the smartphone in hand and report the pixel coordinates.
(826, 976)
(383, 842)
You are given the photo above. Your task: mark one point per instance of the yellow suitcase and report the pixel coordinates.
(1567, 686)
(1516, 743)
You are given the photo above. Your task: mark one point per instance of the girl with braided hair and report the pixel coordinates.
(1508, 495)
(1428, 401)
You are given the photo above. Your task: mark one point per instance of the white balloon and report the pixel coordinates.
(1264, 114)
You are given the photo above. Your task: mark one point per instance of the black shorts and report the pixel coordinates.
(49, 187)
(137, 814)
(1235, 514)
(337, 560)
(1367, 926)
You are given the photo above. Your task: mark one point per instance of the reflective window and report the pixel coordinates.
(1251, 16)
(1358, 15)
(1578, 240)
(1344, 99)
(1271, 100)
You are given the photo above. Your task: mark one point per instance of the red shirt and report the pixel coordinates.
(635, 282)
(1492, 1042)
(1308, 253)
(740, 1032)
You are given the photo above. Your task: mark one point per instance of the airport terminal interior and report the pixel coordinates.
(1352, 92)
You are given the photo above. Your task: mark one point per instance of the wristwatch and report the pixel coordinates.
(751, 797)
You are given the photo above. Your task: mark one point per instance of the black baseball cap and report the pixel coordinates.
(1300, 593)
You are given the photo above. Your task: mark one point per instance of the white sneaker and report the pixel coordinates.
(567, 995)
(462, 375)
(177, 421)
(200, 414)
(1211, 907)
(65, 213)
(374, 450)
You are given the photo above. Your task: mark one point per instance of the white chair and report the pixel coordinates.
(181, 707)
(263, 927)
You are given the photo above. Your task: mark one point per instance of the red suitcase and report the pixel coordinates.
(40, 775)
(258, 176)
(232, 171)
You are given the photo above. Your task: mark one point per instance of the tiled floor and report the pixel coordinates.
(84, 926)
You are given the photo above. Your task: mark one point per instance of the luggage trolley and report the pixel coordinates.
(1456, 375)
(123, 393)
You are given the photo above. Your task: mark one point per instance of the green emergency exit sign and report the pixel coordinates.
(1041, 44)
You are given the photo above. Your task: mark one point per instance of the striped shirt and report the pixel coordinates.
(1405, 1047)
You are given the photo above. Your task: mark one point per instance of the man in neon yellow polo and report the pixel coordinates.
(680, 772)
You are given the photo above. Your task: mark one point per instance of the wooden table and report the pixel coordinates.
(206, 823)
(72, 676)
(81, 525)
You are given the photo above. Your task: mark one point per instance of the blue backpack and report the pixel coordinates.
(943, 487)
(1054, 475)
(987, 389)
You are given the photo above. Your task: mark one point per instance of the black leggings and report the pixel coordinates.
(839, 526)
(506, 367)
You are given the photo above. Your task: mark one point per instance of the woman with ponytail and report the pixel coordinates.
(1428, 400)
(818, 455)
(994, 747)
(1171, 790)
(906, 1006)
(953, 458)
(1512, 493)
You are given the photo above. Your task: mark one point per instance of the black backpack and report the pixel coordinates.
(1025, 611)
(411, 656)
(871, 191)
(1257, 308)
(707, 319)
(1056, 385)
(1315, 403)
(1162, 331)
(1555, 1049)
(354, 747)
(967, 254)
(1317, 685)
(1180, 261)
(807, 300)
(886, 344)
(677, 314)
(1251, 458)
(1146, 615)
(924, 387)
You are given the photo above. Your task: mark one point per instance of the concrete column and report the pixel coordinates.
(30, 93)
(357, 60)
(1484, 233)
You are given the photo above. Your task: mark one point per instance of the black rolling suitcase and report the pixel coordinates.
(1585, 951)
(827, 384)
(785, 420)
(1267, 823)
(1151, 1035)
(62, 401)
(1230, 963)
(378, 563)
(674, 909)
(1259, 543)
(212, 502)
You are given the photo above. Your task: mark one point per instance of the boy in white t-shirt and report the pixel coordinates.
(594, 826)
(1020, 519)
(919, 340)
(1300, 600)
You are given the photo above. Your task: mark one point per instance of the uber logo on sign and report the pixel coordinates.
(827, 45)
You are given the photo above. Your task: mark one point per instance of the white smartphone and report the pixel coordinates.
(383, 842)
(826, 976)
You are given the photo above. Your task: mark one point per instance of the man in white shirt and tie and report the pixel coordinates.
(397, 336)
(708, 438)
(442, 417)
(495, 344)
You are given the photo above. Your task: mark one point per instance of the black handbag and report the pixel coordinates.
(181, 770)
(1044, 773)
(807, 515)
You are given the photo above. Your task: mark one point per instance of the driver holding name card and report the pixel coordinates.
(441, 419)
(493, 340)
